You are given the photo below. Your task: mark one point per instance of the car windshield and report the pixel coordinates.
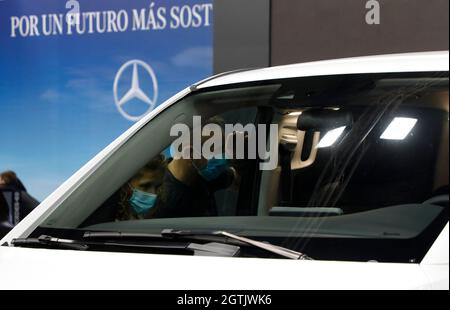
(350, 167)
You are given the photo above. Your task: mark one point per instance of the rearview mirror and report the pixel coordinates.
(324, 119)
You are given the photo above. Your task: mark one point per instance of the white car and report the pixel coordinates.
(357, 197)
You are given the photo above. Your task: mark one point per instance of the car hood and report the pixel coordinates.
(23, 268)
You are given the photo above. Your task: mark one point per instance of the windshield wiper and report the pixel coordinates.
(204, 235)
(49, 241)
(285, 252)
(209, 249)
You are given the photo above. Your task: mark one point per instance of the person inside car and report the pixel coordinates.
(168, 188)
(189, 184)
(139, 197)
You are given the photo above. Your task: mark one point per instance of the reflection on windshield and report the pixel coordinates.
(345, 146)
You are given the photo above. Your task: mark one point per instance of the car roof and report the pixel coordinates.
(409, 62)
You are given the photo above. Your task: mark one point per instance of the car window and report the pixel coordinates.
(167, 187)
(342, 168)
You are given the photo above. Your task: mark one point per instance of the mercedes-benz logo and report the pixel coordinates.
(135, 92)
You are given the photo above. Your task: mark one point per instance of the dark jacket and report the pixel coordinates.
(26, 201)
(5, 228)
(181, 200)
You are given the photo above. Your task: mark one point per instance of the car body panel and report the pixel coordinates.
(58, 269)
(436, 262)
(411, 62)
(439, 252)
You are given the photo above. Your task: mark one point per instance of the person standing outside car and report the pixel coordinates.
(5, 226)
(9, 182)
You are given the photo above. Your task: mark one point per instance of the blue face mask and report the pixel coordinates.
(168, 152)
(214, 169)
(142, 202)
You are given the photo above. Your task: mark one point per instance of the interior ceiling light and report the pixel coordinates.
(331, 137)
(399, 128)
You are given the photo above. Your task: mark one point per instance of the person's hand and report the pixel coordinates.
(185, 169)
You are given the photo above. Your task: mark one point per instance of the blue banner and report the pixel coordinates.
(74, 75)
